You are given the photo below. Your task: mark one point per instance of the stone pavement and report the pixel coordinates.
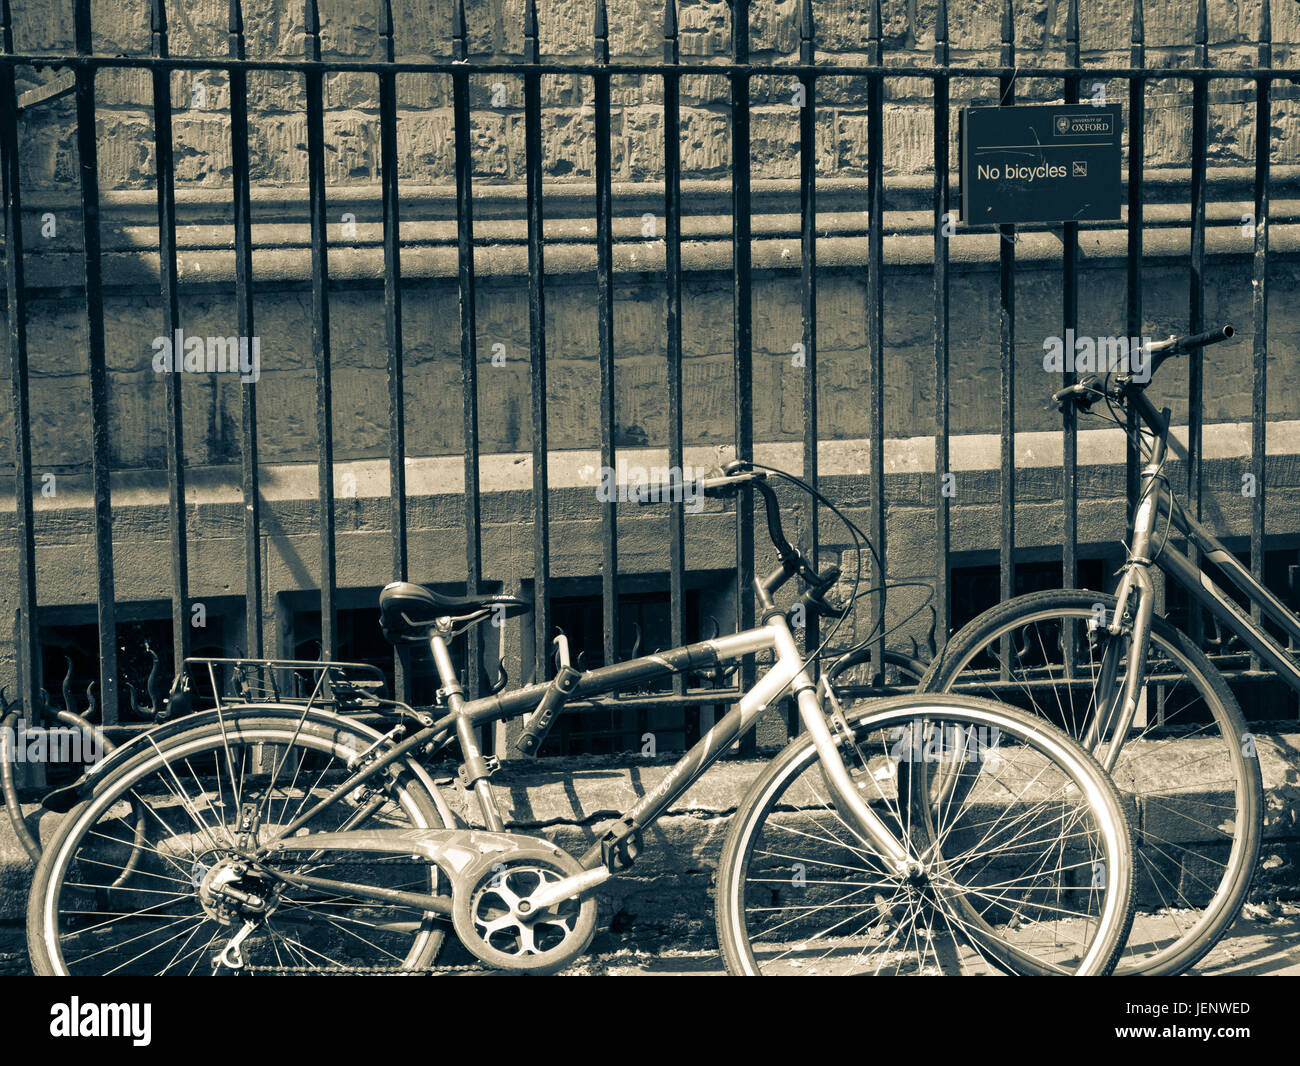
(1261, 943)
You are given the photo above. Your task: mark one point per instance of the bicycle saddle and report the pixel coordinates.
(408, 610)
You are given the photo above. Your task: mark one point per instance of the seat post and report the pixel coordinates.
(475, 769)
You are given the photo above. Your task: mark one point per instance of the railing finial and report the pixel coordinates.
(1072, 34)
(81, 26)
(235, 29)
(1139, 23)
(1201, 37)
(601, 32)
(1008, 23)
(941, 22)
(311, 44)
(530, 32)
(805, 20)
(386, 29)
(1265, 23)
(459, 32)
(873, 34)
(670, 31)
(158, 25)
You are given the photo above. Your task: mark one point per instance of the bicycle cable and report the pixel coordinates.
(859, 538)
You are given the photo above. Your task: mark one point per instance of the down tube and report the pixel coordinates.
(1214, 551)
(717, 740)
(1210, 596)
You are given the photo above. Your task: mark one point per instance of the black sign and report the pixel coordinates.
(1040, 163)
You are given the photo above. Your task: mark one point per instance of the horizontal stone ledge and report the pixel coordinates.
(290, 268)
(703, 196)
(627, 228)
(580, 468)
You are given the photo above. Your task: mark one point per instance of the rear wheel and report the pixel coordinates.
(1187, 768)
(206, 794)
(1029, 871)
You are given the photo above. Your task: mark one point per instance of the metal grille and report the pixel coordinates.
(877, 70)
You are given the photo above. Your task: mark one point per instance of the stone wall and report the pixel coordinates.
(349, 31)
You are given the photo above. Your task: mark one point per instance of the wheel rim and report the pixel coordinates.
(808, 897)
(1194, 808)
(167, 918)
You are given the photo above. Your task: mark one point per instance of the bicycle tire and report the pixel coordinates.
(57, 909)
(754, 908)
(8, 779)
(1166, 947)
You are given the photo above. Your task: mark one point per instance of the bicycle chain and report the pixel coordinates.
(365, 971)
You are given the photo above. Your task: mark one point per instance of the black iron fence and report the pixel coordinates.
(739, 70)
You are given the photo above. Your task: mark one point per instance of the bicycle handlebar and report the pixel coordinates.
(1090, 389)
(736, 476)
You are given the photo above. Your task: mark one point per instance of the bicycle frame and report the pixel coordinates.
(612, 852)
(1155, 505)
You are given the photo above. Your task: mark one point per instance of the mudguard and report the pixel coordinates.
(91, 782)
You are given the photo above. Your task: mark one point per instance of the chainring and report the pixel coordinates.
(488, 920)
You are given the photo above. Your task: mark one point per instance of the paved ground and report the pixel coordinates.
(1261, 943)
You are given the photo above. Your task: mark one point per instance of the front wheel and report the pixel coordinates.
(1029, 871)
(1188, 765)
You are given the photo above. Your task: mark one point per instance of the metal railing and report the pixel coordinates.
(739, 70)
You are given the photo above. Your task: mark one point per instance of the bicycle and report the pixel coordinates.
(1118, 678)
(288, 836)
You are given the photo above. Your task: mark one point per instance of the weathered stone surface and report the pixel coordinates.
(276, 100)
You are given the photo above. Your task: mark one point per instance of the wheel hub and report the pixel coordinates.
(224, 891)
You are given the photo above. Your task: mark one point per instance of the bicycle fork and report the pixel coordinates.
(848, 800)
(1115, 710)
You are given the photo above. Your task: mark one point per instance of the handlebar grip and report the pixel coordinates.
(1209, 336)
(555, 697)
(688, 488)
(1084, 393)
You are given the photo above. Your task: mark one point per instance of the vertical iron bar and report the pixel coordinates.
(320, 333)
(742, 312)
(605, 329)
(88, 162)
(673, 327)
(179, 542)
(1196, 295)
(1259, 377)
(1070, 322)
(468, 327)
(388, 170)
(537, 344)
(808, 239)
(942, 530)
(29, 665)
(244, 316)
(875, 339)
(388, 175)
(1136, 151)
(1007, 345)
